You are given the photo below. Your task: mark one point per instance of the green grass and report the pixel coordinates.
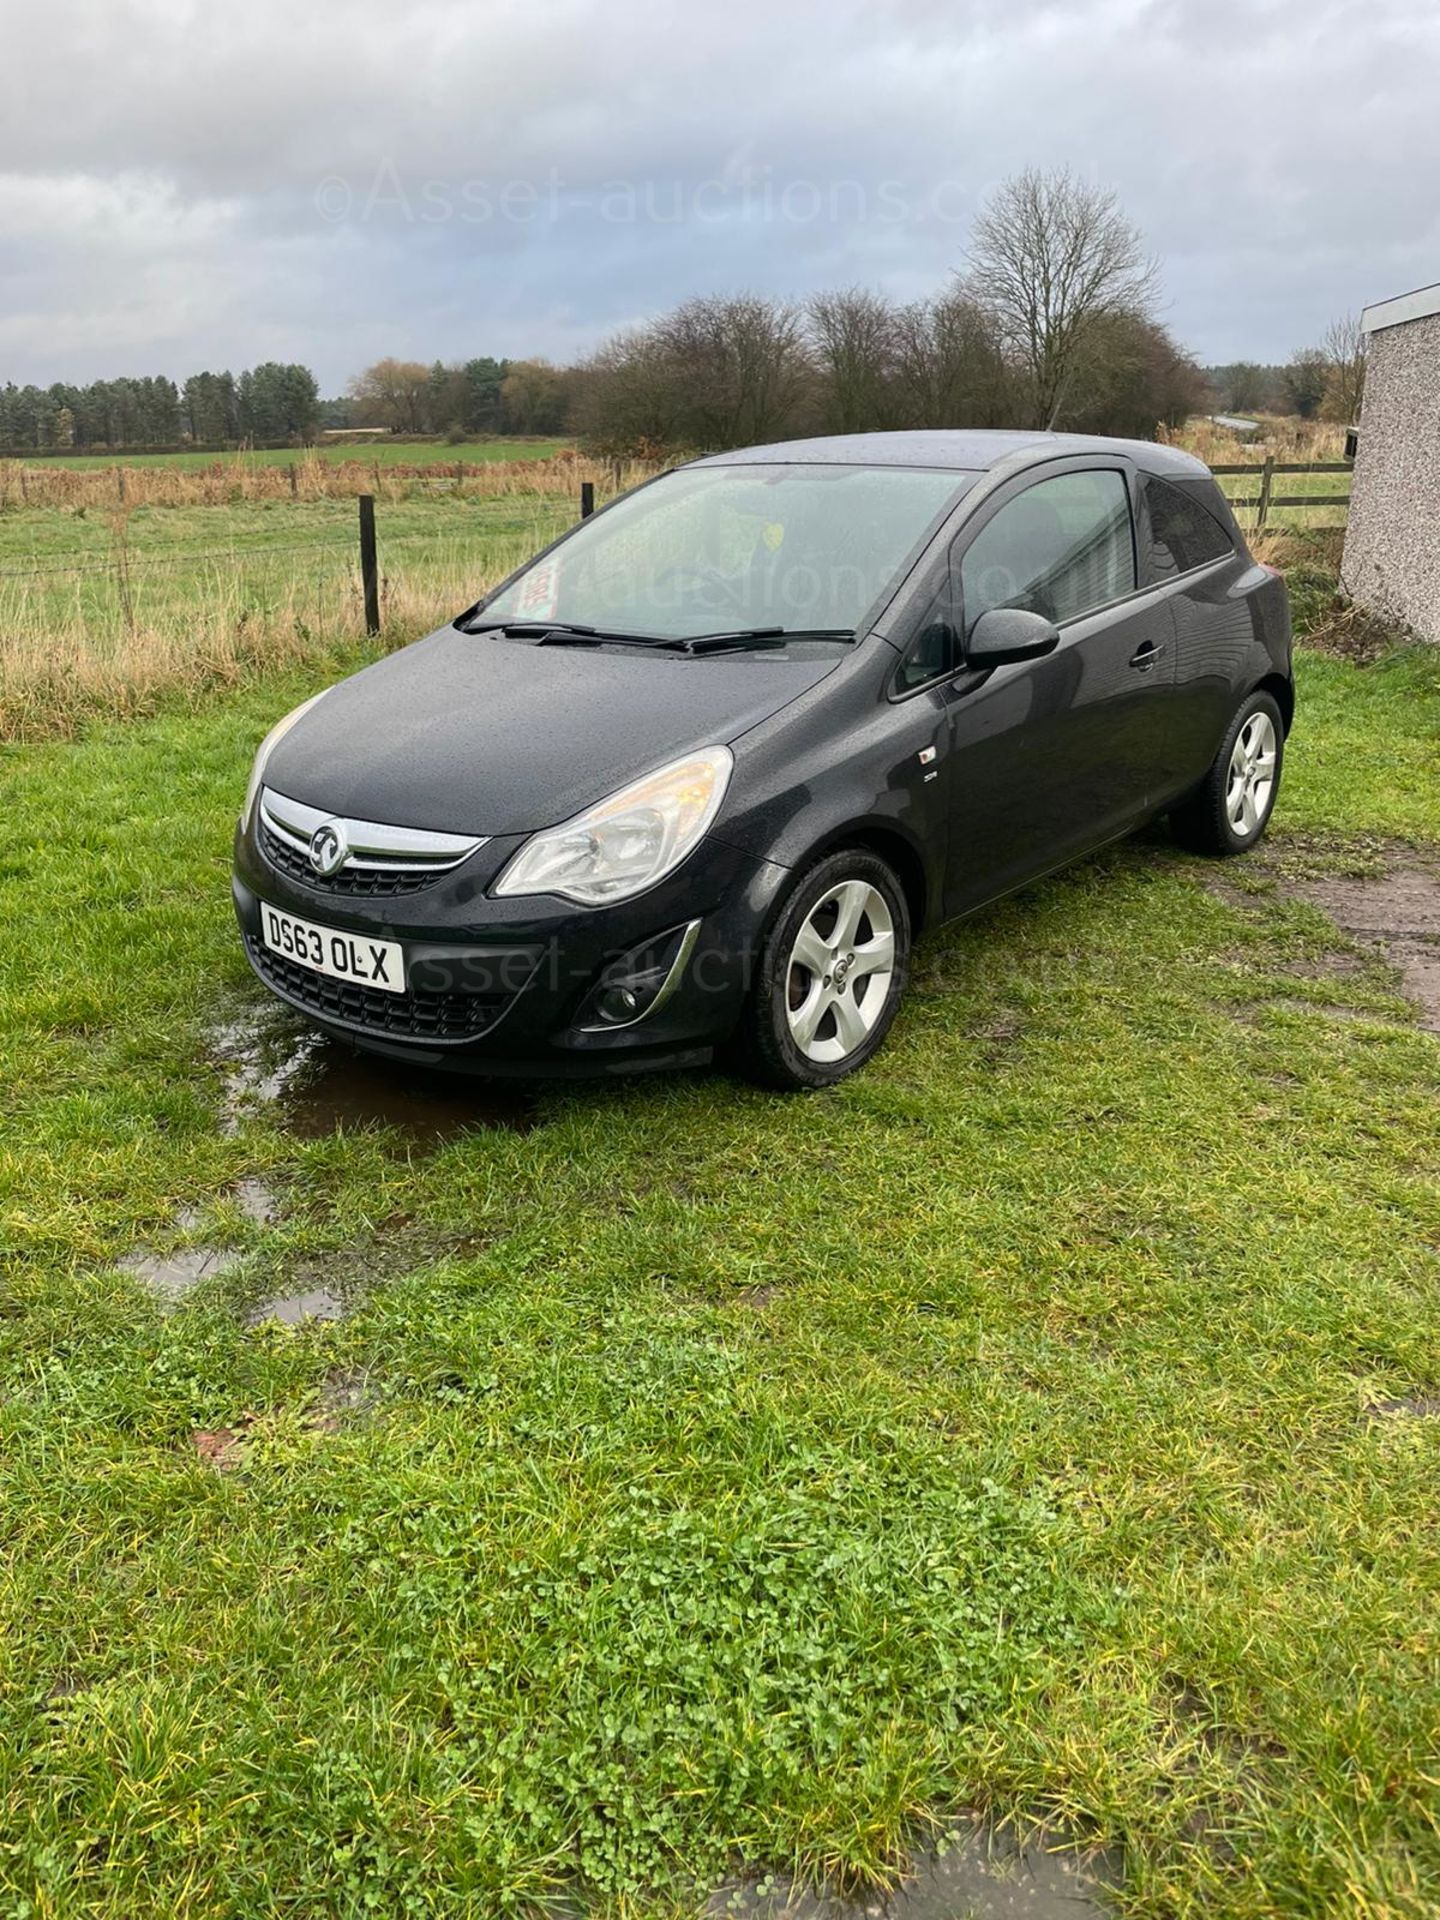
(63, 567)
(734, 1478)
(1323, 488)
(388, 452)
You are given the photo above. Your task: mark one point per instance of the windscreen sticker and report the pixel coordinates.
(536, 600)
(772, 536)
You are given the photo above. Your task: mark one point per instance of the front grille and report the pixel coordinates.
(443, 1018)
(371, 882)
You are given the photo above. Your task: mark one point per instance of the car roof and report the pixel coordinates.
(964, 449)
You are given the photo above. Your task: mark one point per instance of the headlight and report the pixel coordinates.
(628, 842)
(267, 746)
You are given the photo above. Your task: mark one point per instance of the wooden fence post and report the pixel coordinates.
(1267, 481)
(587, 498)
(369, 570)
(120, 483)
(294, 482)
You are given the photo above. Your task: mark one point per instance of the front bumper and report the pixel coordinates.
(501, 986)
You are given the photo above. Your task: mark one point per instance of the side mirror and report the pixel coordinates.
(1006, 634)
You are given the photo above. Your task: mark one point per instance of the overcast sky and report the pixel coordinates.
(187, 185)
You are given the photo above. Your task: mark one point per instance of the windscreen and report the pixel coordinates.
(712, 549)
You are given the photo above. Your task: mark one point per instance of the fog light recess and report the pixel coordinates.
(639, 982)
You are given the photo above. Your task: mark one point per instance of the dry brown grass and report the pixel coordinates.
(58, 675)
(1287, 547)
(1282, 437)
(226, 482)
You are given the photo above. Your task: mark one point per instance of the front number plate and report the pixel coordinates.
(342, 956)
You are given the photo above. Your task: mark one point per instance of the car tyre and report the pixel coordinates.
(830, 975)
(1231, 808)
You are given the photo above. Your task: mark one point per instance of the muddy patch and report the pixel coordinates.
(257, 1202)
(345, 1396)
(1413, 1406)
(974, 1872)
(319, 1086)
(1399, 913)
(1390, 912)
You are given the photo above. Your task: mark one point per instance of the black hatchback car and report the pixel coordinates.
(695, 777)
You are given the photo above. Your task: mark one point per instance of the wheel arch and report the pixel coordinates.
(1282, 691)
(891, 846)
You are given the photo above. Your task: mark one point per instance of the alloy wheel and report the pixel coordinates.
(1250, 782)
(837, 977)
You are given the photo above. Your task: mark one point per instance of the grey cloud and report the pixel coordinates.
(164, 166)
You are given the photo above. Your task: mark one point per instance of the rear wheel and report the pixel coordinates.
(1231, 807)
(831, 974)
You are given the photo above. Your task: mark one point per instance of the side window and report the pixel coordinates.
(1061, 548)
(1183, 533)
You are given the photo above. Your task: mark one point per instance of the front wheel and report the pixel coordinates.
(1231, 807)
(830, 975)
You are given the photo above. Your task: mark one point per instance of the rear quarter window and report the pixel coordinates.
(1182, 532)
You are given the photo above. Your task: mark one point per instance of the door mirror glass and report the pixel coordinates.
(1005, 634)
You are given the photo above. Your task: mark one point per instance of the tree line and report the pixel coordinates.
(271, 403)
(1323, 382)
(462, 399)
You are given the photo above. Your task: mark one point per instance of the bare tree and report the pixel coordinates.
(1344, 346)
(741, 365)
(950, 368)
(1051, 258)
(854, 339)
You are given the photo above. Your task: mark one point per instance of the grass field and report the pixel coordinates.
(699, 1478)
(389, 452)
(104, 613)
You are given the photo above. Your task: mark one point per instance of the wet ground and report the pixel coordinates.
(319, 1086)
(172, 1275)
(974, 1872)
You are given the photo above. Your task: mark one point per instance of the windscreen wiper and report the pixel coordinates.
(560, 633)
(748, 637)
(572, 633)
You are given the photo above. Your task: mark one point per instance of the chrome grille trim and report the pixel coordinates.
(374, 847)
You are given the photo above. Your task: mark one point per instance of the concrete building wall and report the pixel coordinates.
(1392, 543)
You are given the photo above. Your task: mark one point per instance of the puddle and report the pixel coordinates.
(319, 1087)
(256, 1201)
(172, 1275)
(975, 1872)
(292, 1309)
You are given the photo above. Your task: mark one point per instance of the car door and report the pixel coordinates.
(1186, 547)
(1048, 757)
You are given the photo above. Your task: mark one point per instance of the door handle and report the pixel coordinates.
(1145, 656)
